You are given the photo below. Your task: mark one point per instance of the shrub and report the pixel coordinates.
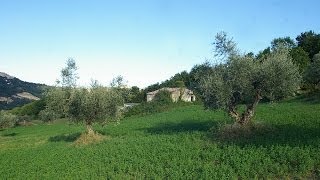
(7, 120)
(23, 120)
(163, 97)
(47, 115)
(32, 109)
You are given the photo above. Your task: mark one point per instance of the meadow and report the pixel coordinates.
(181, 143)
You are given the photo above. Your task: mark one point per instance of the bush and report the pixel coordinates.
(7, 120)
(163, 97)
(161, 102)
(47, 115)
(23, 120)
(32, 109)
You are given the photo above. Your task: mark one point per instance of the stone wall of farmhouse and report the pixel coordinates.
(187, 95)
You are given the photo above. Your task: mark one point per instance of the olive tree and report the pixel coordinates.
(88, 105)
(245, 80)
(96, 104)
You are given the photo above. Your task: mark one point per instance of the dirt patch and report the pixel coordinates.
(91, 138)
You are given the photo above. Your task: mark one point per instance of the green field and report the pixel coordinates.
(178, 144)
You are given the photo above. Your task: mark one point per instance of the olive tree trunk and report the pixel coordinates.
(89, 129)
(247, 115)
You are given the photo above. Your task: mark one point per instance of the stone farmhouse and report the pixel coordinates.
(185, 94)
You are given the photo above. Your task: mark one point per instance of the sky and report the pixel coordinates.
(145, 41)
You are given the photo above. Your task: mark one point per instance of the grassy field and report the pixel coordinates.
(178, 144)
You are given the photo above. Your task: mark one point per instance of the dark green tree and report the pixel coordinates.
(310, 42)
(312, 75)
(196, 74)
(285, 42)
(136, 95)
(300, 58)
(262, 55)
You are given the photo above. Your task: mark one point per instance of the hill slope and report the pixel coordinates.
(178, 144)
(15, 92)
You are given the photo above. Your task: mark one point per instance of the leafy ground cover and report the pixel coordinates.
(177, 144)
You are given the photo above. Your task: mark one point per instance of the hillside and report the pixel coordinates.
(177, 144)
(15, 92)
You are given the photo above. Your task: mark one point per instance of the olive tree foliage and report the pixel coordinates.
(69, 74)
(224, 47)
(56, 98)
(118, 82)
(88, 105)
(245, 80)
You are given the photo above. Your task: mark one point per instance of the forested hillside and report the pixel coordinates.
(15, 92)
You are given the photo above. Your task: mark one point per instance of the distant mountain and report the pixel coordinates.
(14, 92)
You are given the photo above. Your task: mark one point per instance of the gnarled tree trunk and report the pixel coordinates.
(233, 113)
(248, 114)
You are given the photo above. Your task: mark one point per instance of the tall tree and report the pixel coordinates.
(262, 55)
(300, 58)
(136, 95)
(312, 75)
(285, 42)
(310, 42)
(196, 74)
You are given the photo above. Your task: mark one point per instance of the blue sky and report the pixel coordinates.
(146, 41)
